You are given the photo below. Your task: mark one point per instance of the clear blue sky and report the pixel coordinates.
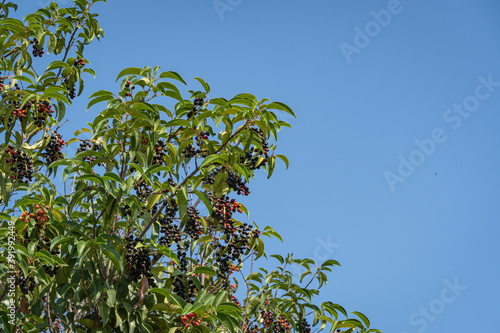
(362, 100)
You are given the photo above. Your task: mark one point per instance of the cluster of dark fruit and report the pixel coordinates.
(126, 211)
(193, 226)
(235, 300)
(2, 80)
(159, 153)
(197, 104)
(203, 136)
(237, 183)
(280, 324)
(225, 255)
(253, 155)
(79, 62)
(44, 110)
(129, 88)
(223, 209)
(37, 51)
(52, 152)
(233, 181)
(71, 88)
(305, 327)
(142, 190)
(138, 260)
(19, 112)
(51, 271)
(180, 281)
(171, 232)
(27, 284)
(190, 151)
(22, 165)
(86, 145)
(236, 236)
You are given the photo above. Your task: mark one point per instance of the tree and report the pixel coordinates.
(142, 235)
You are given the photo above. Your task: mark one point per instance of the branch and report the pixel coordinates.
(248, 291)
(67, 50)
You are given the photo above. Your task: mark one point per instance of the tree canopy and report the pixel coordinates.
(146, 232)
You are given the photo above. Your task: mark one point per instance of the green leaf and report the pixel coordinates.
(115, 258)
(52, 43)
(279, 258)
(59, 240)
(129, 71)
(58, 64)
(226, 321)
(204, 84)
(172, 75)
(205, 270)
(283, 158)
(178, 122)
(203, 197)
(169, 253)
(280, 106)
(212, 159)
(227, 306)
(363, 318)
(98, 100)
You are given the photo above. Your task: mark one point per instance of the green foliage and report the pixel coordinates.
(146, 236)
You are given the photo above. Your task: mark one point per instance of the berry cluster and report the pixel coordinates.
(235, 300)
(58, 324)
(191, 319)
(199, 140)
(305, 327)
(51, 271)
(27, 284)
(142, 190)
(253, 155)
(44, 110)
(19, 112)
(193, 227)
(190, 151)
(223, 209)
(40, 216)
(263, 141)
(235, 182)
(86, 145)
(2, 80)
(37, 50)
(22, 165)
(171, 233)
(180, 281)
(279, 325)
(126, 211)
(236, 235)
(159, 153)
(129, 88)
(197, 104)
(52, 152)
(71, 87)
(138, 260)
(203, 136)
(79, 63)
